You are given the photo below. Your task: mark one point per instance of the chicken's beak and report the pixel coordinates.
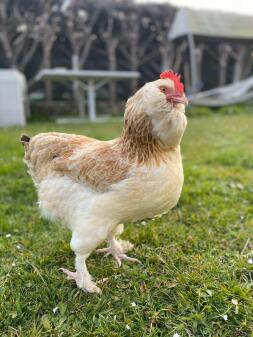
(177, 99)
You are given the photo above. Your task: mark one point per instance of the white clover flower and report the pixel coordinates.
(8, 235)
(133, 304)
(176, 335)
(55, 309)
(225, 317)
(18, 246)
(128, 327)
(143, 223)
(13, 264)
(234, 301)
(250, 261)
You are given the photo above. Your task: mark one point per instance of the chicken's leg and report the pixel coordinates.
(83, 243)
(118, 248)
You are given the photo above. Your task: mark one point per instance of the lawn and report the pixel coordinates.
(196, 277)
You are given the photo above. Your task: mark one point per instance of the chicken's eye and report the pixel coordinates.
(163, 89)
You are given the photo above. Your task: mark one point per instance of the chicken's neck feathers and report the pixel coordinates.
(137, 141)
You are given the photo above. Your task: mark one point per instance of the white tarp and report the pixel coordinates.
(234, 93)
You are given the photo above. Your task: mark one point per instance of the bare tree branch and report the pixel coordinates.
(110, 37)
(80, 30)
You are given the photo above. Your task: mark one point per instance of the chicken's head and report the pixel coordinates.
(163, 102)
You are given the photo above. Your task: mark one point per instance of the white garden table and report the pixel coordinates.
(89, 80)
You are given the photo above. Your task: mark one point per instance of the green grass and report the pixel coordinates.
(194, 261)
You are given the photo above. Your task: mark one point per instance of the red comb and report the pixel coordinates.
(176, 78)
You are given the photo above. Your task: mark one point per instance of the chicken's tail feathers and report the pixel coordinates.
(25, 139)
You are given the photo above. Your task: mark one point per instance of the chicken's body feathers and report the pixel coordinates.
(143, 193)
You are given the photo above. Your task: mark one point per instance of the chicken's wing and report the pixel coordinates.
(86, 160)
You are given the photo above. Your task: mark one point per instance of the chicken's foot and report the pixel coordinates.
(81, 276)
(118, 249)
(82, 282)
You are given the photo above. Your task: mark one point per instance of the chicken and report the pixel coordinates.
(93, 187)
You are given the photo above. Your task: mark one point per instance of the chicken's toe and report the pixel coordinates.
(70, 274)
(91, 287)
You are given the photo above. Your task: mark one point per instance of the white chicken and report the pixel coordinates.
(93, 187)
